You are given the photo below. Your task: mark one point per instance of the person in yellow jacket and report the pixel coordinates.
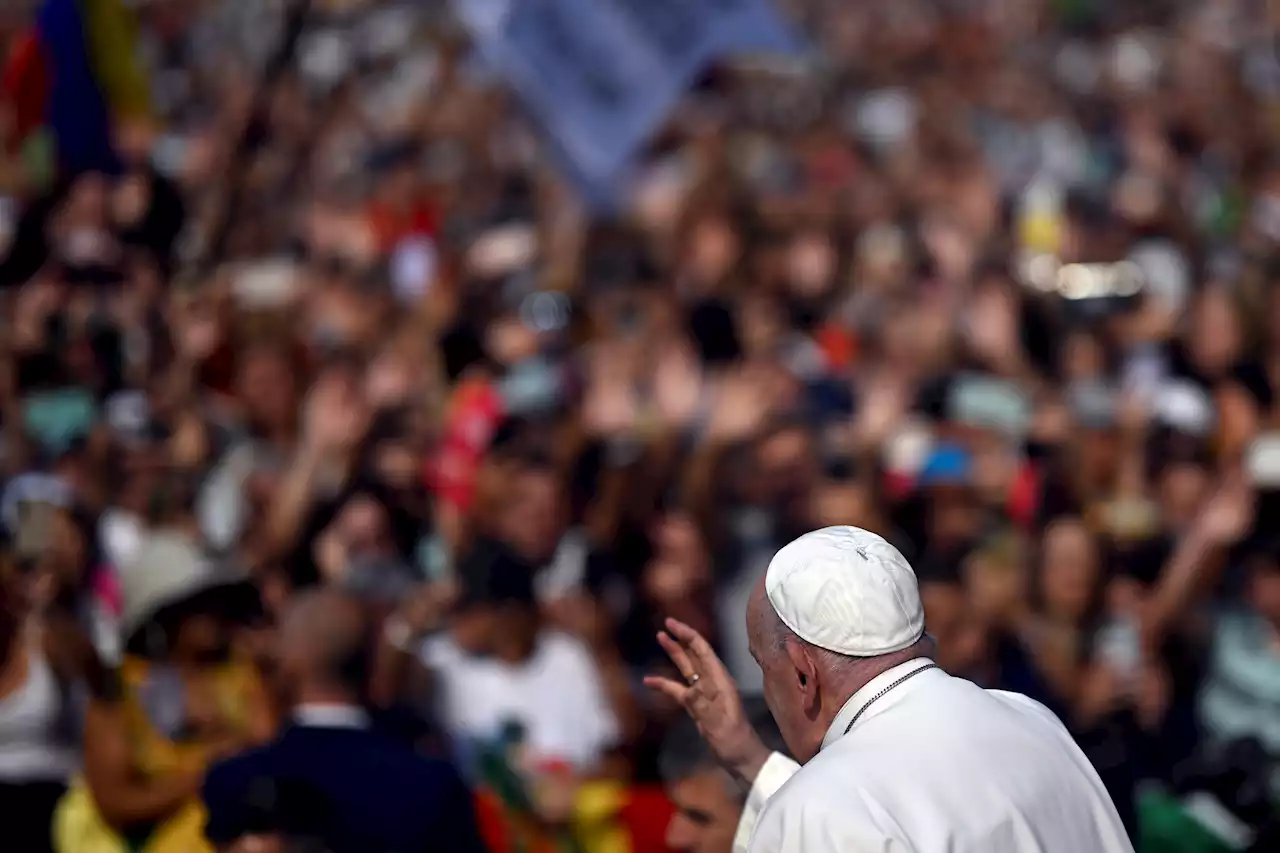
(181, 701)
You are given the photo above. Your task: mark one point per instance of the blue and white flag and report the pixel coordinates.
(484, 19)
(601, 76)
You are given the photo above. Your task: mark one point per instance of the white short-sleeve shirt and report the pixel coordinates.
(557, 696)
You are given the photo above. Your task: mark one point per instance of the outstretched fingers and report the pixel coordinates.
(679, 655)
(705, 677)
(698, 651)
(669, 687)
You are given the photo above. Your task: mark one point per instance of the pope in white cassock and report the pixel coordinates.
(896, 756)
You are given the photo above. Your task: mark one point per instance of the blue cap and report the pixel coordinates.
(948, 465)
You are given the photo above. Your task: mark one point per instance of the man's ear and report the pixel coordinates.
(806, 672)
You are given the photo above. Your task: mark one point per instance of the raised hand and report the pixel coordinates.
(424, 610)
(883, 407)
(582, 616)
(1228, 515)
(610, 408)
(991, 328)
(35, 302)
(711, 699)
(389, 381)
(337, 415)
(199, 334)
(741, 406)
(677, 389)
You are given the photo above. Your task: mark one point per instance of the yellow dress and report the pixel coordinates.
(77, 826)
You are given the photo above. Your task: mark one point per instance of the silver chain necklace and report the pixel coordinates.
(912, 674)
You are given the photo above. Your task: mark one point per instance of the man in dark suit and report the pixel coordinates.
(330, 781)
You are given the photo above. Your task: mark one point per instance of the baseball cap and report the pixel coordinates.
(846, 590)
(947, 465)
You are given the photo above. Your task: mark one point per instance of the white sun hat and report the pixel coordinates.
(168, 568)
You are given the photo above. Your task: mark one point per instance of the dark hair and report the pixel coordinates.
(492, 573)
(172, 497)
(232, 602)
(70, 599)
(685, 753)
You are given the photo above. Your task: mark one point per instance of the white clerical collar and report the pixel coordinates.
(876, 687)
(331, 716)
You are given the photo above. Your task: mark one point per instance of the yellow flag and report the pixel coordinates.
(111, 34)
(595, 819)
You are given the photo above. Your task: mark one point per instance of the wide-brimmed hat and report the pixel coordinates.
(170, 569)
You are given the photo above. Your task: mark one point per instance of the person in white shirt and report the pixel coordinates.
(554, 693)
(498, 666)
(895, 754)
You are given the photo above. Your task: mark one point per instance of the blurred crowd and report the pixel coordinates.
(994, 278)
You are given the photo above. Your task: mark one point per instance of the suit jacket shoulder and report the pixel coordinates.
(372, 792)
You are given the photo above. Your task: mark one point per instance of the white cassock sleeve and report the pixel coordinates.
(772, 776)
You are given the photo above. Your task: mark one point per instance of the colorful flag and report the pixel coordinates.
(81, 61)
(25, 87)
(609, 818)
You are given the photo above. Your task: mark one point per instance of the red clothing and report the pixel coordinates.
(391, 226)
(645, 813)
(839, 347)
(24, 87)
(474, 416)
(1024, 496)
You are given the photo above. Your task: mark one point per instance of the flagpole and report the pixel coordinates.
(297, 13)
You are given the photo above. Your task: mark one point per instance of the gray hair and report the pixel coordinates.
(827, 659)
(835, 662)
